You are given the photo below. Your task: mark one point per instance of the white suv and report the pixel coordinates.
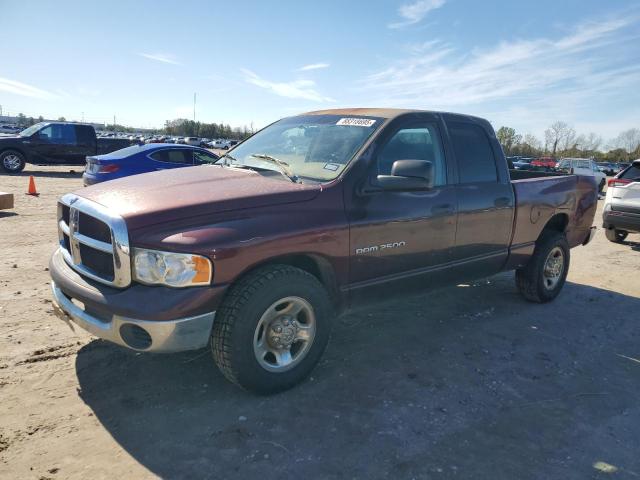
(621, 213)
(583, 166)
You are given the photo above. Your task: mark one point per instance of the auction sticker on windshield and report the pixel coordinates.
(356, 122)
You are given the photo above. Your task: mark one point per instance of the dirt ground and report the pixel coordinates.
(465, 382)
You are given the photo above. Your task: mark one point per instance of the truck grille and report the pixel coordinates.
(94, 241)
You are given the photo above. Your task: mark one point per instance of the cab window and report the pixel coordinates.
(59, 134)
(173, 156)
(476, 162)
(419, 142)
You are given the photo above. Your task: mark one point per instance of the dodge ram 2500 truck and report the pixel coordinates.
(54, 143)
(256, 255)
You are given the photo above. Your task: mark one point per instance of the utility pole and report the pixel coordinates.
(114, 121)
(194, 107)
(82, 117)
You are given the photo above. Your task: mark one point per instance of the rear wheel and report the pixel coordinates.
(12, 161)
(616, 236)
(545, 274)
(271, 329)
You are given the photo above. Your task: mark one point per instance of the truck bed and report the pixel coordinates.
(540, 196)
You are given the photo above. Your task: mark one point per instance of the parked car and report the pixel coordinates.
(583, 166)
(10, 129)
(301, 220)
(220, 144)
(193, 141)
(143, 158)
(621, 213)
(523, 163)
(54, 143)
(608, 168)
(548, 163)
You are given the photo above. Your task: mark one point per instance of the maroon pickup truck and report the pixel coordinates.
(256, 256)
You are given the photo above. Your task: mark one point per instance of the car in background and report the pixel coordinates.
(583, 166)
(220, 144)
(547, 163)
(193, 141)
(611, 168)
(523, 163)
(54, 143)
(621, 214)
(10, 129)
(142, 159)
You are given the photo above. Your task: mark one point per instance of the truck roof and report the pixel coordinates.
(386, 113)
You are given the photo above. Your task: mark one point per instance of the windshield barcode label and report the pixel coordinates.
(356, 122)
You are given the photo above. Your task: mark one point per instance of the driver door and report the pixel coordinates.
(395, 234)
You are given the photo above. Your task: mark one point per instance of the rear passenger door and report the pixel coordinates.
(171, 158)
(485, 199)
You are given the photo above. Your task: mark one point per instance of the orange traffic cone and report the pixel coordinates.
(32, 187)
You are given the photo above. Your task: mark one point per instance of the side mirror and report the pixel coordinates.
(408, 175)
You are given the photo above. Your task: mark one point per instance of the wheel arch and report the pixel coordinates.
(317, 265)
(557, 223)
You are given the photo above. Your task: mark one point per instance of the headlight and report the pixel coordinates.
(172, 269)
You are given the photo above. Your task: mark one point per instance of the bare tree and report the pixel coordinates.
(629, 140)
(559, 134)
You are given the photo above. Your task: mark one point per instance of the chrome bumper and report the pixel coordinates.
(188, 333)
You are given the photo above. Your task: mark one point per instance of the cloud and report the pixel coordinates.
(295, 89)
(413, 13)
(313, 66)
(22, 89)
(161, 57)
(436, 73)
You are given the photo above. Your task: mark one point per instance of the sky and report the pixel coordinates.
(524, 64)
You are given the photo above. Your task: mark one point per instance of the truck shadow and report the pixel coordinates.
(468, 381)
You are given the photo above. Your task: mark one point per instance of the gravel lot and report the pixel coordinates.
(465, 382)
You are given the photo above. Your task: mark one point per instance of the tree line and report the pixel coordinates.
(561, 140)
(180, 127)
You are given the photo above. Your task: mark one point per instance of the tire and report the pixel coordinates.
(535, 281)
(601, 186)
(12, 161)
(245, 328)
(615, 236)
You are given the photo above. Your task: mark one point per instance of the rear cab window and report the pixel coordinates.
(474, 155)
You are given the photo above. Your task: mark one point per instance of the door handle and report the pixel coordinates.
(502, 202)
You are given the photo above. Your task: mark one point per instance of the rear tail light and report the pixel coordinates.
(618, 182)
(109, 168)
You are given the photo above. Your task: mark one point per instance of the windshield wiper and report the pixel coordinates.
(284, 166)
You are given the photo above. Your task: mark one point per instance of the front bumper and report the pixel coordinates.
(188, 333)
(627, 221)
(144, 318)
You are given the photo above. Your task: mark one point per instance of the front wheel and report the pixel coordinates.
(12, 161)
(272, 329)
(615, 236)
(544, 276)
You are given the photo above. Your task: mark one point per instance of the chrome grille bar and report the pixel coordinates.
(118, 248)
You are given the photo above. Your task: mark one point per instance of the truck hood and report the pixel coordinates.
(177, 194)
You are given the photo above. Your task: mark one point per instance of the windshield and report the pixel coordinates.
(311, 147)
(27, 132)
